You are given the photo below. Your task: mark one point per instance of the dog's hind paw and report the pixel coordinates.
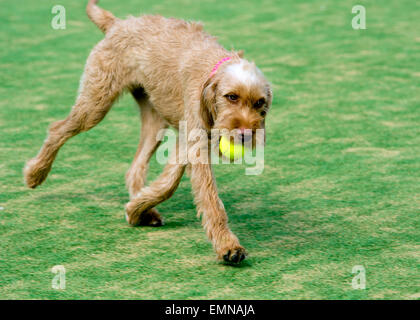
(35, 173)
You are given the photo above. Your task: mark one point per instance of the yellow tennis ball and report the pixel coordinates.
(230, 150)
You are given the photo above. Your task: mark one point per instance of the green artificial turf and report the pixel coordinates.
(341, 183)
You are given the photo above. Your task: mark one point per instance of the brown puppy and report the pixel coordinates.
(176, 72)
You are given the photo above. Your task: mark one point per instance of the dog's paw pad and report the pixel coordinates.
(156, 223)
(151, 218)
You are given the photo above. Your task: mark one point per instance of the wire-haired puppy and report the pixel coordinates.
(176, 72)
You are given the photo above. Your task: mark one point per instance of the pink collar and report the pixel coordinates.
(216, 67)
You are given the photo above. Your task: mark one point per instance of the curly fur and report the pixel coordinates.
(165, 64)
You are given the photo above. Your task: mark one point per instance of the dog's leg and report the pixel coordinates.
(151, 124)
(99, 90)
(137, 210)
(215, 220)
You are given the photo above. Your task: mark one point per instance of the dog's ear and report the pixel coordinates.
(207, 103)
(240, 53)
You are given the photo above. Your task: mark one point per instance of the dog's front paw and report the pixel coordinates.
(235, 255)
(149, 217)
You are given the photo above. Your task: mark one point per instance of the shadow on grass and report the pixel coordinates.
(243, 265)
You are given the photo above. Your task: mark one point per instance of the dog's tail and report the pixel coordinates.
(102, 18)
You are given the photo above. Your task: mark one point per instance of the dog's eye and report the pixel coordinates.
(259, 103)
(263, 113)
(232, 97)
